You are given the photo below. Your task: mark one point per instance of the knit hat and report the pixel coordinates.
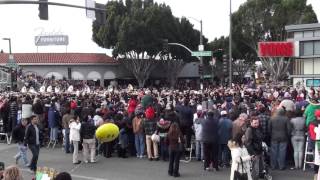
(317, 113)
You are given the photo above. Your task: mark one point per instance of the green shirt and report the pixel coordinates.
(309, 113)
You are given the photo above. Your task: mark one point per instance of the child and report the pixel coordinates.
(123, 143)
(175, 141)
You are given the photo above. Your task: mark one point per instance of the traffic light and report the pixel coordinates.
(43, 10)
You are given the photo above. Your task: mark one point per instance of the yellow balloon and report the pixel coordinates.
(107, 132)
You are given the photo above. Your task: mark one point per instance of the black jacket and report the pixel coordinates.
(87, 130)
(30, 137)
(186, 116)
(253, 142)
(210, 130)
(37, 108)
(18, 133)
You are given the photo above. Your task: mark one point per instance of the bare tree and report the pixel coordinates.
(277, 67)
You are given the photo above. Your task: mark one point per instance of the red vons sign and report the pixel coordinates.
(276, 49)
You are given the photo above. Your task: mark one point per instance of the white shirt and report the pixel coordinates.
(74, 131)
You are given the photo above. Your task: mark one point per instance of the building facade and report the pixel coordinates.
(306, 66)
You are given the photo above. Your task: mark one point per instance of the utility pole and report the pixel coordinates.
(201, 58)
(230, 49)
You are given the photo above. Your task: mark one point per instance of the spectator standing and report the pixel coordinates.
(175, 141)
(65, 125)
(139, 135)
(225, 134)
(87, 134)
(198, 117)
(75, 126)
(18, 136)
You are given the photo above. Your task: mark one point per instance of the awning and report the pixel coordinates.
(109, 75)
(55, 74)
(94, 75)
(75, 75)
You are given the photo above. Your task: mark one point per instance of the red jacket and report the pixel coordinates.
(132, 106)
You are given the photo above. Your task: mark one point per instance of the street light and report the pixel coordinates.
(200, 49)
(230, 48)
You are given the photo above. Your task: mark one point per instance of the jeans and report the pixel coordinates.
(67, 140)
(174, 160)
(211, 151)
(298, 144)
(53, 134)
(22, 153)
(224, 154)
(139, 143)
(35, 149)
(256, 166)
(278, 154)
(199, 150)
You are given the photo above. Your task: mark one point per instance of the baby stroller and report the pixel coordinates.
(265, 174)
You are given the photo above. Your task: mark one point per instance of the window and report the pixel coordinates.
(317, 33)
(310, 48)
(308, 34)
(317, 47)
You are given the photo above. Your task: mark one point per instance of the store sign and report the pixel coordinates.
(51, 40)
(276, 49)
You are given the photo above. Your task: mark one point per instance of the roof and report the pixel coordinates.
(301, 27)
(58, 58)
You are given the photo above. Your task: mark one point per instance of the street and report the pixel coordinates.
(127, 169)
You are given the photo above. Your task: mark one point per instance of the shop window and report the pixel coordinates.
(307, 34)
(317, 47)
(317, 33)
(307, 48)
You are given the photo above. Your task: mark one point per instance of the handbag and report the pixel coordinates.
(240, 175)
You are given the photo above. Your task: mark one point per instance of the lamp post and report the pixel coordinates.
(200, 49)
(230, 48)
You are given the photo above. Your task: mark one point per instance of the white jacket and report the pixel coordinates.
(197, 127)
(236, 153)
(74, 131)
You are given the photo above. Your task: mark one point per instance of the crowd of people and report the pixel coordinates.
(229, 127)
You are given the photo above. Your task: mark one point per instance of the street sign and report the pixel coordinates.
(201, 53)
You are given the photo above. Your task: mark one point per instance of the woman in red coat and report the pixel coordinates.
(132, 105)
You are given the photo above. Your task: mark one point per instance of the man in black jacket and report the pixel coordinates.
(186, 121)
(254, 145)
(32, 139)
(18, 136)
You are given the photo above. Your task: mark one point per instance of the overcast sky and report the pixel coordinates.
(21, 23)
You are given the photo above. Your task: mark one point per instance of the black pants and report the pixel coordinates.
(35, 154)
(174, 160)
(211, 152)
(107, 148)
(187, 131)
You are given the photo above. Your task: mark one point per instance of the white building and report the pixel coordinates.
(306, 66)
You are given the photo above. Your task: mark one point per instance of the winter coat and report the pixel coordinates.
(210, 130)
(74, 131)
(236, 153)
(53, 118)
(137, 125)
(197, 126)
(254, 141)
(87, 130)
(186, 116)
(132, 105)
(18, 133)
(279, 128)
(37, 108)
(224, 130)
(149, 126)
(298, 126)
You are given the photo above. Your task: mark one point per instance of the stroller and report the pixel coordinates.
(265, 174)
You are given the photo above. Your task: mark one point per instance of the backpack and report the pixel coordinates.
(150, 113)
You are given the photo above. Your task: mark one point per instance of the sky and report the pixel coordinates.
(21, 23)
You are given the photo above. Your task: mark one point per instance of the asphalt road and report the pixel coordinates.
(128, 169)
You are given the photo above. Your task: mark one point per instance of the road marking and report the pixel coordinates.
(75, 176)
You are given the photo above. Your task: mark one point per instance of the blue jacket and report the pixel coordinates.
(53, 118)
(224, 130)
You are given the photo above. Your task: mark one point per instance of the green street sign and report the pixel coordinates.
(201, 53)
